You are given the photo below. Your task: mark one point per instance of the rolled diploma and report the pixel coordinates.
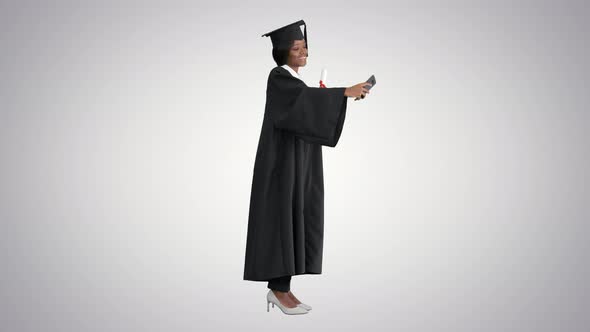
(323, 77)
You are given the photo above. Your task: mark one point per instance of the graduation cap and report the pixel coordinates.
(282, 37)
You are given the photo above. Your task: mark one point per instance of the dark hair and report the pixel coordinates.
(281, 54)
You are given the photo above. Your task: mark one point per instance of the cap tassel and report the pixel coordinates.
(305, 35)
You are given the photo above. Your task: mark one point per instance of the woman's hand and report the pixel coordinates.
(358, 90)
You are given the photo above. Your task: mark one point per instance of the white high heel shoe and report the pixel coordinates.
(305, 306)
(272, 298)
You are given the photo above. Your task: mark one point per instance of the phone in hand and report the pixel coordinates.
(372, 81)
(368, 87)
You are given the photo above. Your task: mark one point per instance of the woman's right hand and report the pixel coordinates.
(357, 90)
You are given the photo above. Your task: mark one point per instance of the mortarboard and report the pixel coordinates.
(285, 35)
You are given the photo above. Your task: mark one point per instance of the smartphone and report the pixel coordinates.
(372, 81)
(368, 87)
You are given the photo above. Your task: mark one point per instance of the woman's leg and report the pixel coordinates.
(282, 284)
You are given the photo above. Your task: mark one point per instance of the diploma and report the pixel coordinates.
(323, 78)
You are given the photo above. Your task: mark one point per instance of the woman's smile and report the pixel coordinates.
(298, 53)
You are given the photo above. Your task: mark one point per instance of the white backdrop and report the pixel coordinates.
(456, 199)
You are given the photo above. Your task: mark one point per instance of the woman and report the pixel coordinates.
(286, 217)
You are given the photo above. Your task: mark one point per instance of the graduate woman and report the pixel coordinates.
(286, 217)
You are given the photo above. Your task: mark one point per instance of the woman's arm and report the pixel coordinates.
(314, 114)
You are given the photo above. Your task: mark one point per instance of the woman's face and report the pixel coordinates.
(298, 54)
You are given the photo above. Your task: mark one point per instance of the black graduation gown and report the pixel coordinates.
(286, 216)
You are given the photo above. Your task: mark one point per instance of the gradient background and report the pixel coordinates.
(456, 199)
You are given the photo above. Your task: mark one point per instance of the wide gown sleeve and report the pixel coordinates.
(316, 115)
